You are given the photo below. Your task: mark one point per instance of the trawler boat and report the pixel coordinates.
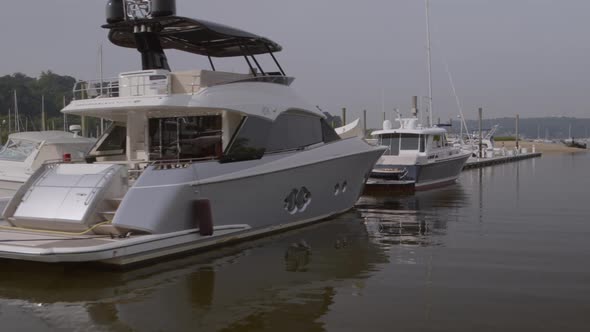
(193, 159)
(25, 152)
(417, 158)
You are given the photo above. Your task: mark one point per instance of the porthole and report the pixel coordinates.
(337, 189)
(303, 199)
(290, 202)
(344, 186)
(297, 200)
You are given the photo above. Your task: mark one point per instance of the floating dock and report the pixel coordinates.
(486, 162)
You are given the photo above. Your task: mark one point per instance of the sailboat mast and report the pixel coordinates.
(100, 62)
(16, 115)
(428, 48)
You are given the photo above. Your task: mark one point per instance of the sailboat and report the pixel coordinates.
(571, 142)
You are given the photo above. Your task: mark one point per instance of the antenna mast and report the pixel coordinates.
(428, 48)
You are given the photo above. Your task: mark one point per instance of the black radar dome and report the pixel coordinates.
(115, 12)
(163, 8)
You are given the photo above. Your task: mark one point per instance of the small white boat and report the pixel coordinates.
(25, 152)
(353, 129)
(193, 160)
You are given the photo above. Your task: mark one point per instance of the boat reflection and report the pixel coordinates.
(411, 220)
(254, 286)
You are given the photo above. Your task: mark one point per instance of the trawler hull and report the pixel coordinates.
(409, 178)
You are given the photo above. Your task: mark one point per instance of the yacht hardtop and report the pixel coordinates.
(192, 159)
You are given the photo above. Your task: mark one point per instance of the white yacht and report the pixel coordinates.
(193, 160)
(25, 152)
(417, 158)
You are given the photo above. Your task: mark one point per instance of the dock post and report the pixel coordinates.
(480, 133)
(365, 122)
(344, 116)
(517, 135)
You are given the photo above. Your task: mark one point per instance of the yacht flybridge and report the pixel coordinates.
(193, 159)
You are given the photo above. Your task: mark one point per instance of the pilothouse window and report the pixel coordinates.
(392, 142)
(409, 141)
(189, 137)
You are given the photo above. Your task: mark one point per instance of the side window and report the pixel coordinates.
(423, 139)
(192, 137)
(436, 141)
(294, 131)
(328, 132)
(249, 142)
(113, 142)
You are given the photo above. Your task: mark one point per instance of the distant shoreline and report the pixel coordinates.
(546, 148)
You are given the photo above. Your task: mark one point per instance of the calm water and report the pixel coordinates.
(506, 249)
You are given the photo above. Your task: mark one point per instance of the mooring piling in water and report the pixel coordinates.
(364, 122)
(344, 116)
(480, 133)
(517, 134)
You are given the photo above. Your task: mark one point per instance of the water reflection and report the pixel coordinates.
(415, 219)
(251, 287)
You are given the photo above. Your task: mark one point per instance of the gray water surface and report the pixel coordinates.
(506, 249)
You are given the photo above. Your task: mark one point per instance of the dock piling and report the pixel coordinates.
(365, 122)
(517, 134)
(480, 133)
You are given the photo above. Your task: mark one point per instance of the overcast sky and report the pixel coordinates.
(509, 56)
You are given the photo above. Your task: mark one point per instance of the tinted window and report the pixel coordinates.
(294, 131)
(328, 132)
(409, 141)
(423, 143)
(116, 139)
(392, 142)
(113, 142)
(191, 137)
(250, 141)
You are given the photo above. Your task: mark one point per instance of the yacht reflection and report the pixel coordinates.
(411, 220)
(258, 285)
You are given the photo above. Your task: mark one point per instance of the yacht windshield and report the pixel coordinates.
(16, 150)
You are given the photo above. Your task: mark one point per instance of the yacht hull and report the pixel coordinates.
(242, 207)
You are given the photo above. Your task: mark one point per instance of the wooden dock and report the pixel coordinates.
(486, 162)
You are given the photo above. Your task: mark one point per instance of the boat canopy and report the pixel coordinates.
(194, 36)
